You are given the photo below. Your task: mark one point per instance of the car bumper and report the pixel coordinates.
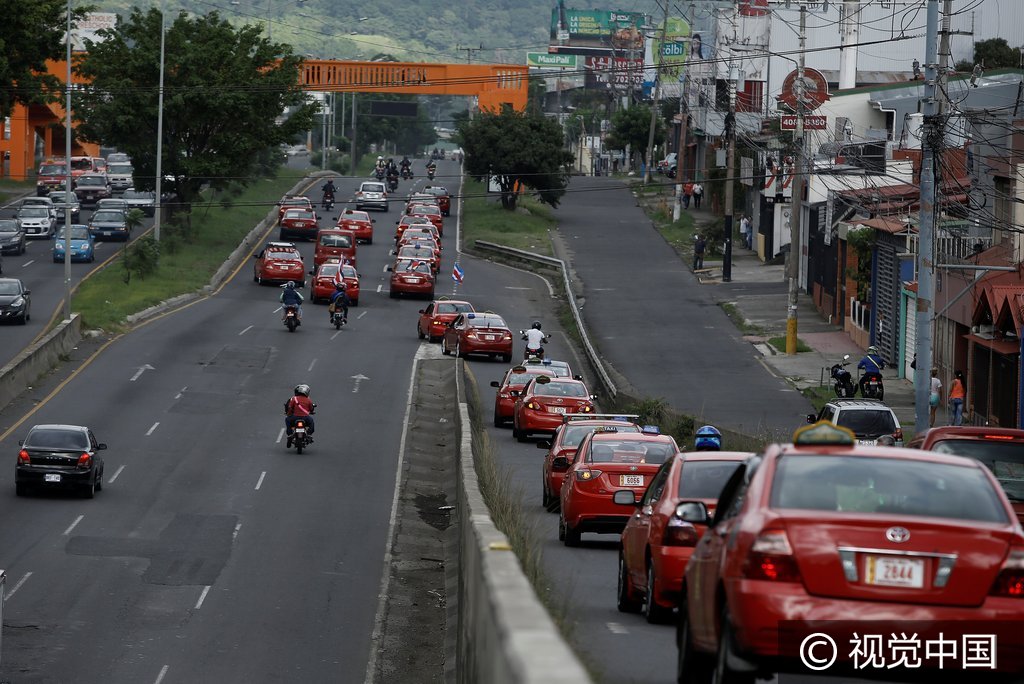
(282, 277)
(75, 256)
(322, 292)
(425, 287)
(537, 421)
(69, 478)
(467, 346)
(304, 233)
(381, 204)
(9, 313)
(364, 234)
(109, 234)
(37, 231)
(11, 248)
(592, 512)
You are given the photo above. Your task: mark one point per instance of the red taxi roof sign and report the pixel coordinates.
(824, 433)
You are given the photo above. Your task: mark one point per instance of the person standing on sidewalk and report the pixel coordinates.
(698, 194)
(935, 396)
(745, 232)
(750, 232)
(698, 252)
(956, 398)
(687, 194)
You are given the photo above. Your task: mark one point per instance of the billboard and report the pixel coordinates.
(594, 31)
(546, 59)
(745, 31)
(618, 71)
(670, 47)
(88, 27)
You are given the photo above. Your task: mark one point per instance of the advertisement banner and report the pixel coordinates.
(670, 47)
(619, 71)
(608, 29)
(554, 61)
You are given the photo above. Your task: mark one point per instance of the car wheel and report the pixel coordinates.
(561, 529)
(572, 535)
(654, 613)
(370, 241)
(723, 674)
(99, 482)
(419, 332)
(89, 490)
(20, 489)
(498, 420)
(545, 499)
(506, 358)
(692, 667)
(625, 601)
(24, 319)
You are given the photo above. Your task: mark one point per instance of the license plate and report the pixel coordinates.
(891, 571)
(866, 442)
(414, 281)
(557, 409)
(51, 477)
(108, 233)
(631, 480)
(489, 338)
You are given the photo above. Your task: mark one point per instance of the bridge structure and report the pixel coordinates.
(494, 85)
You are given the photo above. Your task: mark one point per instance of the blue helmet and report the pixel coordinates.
(708, 438)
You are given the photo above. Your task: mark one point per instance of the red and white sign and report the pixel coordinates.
(811, 91)
(617, 70)
(812, 122)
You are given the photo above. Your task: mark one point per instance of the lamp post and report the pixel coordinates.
(158, 199)
(67, 179)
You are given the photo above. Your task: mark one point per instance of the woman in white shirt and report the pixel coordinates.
(935, 397)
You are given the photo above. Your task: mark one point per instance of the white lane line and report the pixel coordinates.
(114, 476)
(246, 330)
(72, 525)
(234, 535)
(385, 268)
(163, 673)
(280, 436)
(202, 597)
(259, 482)
(511, 287)
(379, 287)
(361, 315)
(16, 587)
(150, 431)
(311, 364)
(178, 395)
(335, 334)
(276, 310)
(28, 263)
(616, 628)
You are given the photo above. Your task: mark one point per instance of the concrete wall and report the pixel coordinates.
(37, 359)
(505, 635)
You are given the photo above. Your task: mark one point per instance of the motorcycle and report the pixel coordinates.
(537, 353)
(291, 317)
(406, 173)
(338, 319)
(300, 438)
(328, 201)
(871, 386)
(393, 183)
(430, 174)
(842, 380)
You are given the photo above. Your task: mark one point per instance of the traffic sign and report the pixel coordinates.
(551, 60)
(812, 122)
(811, 91)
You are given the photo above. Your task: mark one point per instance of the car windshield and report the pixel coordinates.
(705, 479)
(328, 270)
(34, 212)
(9, 287)
(560, 389)
(1004, 458)
(92, 180)
(120, 169)
(57, 438)
(867, 423)
(426, 210)
(415, 251)
(284, 254)
(37, 202)
(888, 487)
(108, 216)
(355, 216)
(329, 240)
(112, 203)
(298, 214)
(60, 197)
(52, 170)
(77, 233)
(486, 322)
(574, 434)
(453, 308)
(8, 226)
(622, 451)
(81, 164)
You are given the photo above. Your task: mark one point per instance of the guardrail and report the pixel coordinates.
(588, 348)
(38, 358)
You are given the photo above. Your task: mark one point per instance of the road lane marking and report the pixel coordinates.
(150, 431)
(311, 364)
(616, 628)
(259, 483)
(114, 476)
(246, 330)
(16, 587)
(163, 673)
(72, 525)
(142, 369)
(202, 597)
(280, 436)
(178, 395)
(276, 310)
(379, 287)
(234, 535)
(361, 315)
(383, 270)
(512, 287)
(28, 263)
(335, 334)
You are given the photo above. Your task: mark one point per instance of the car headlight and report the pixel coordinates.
(20, 301)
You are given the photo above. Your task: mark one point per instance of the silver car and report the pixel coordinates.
(12, 237)
(372, 194)
(112, 203)
(36, 221)
(141, 200)
(59, 199)
(120, 176)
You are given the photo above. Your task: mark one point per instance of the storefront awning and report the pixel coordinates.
(1004, 347)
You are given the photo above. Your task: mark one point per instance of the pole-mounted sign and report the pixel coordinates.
(811, 90)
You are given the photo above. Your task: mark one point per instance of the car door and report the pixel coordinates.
(636, 536)
(425, 317)
(451, 333)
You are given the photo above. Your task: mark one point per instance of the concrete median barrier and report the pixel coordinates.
(37, 359)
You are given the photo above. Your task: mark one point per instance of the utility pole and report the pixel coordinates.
(657, 97)
(931, 139)
(799, 181)
(730, 177)
(352, 141)
(684, 119)
(158, 212)
(323, 131)
(68, 187)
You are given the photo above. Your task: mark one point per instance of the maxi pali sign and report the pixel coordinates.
(550, 61)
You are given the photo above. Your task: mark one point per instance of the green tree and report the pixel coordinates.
(33, 33)
(519, 149)
(224, 88)
(632, 127)
(996, 53)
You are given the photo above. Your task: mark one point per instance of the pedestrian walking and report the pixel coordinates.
(698, 195)
(935, 397)
(957, 394)
(750, 233)
(687, 194)
(698, 252)
(745, 232)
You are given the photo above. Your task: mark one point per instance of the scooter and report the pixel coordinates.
(842, 380)
(406, 173)
(338, 319)
(392, 183)
(430, 174)
(291, 317)
(871, 386)
(328, 202)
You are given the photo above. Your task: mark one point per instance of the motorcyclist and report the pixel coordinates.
(535, 339)
(381, 168)
(328, 189)
(339, 298)
(872, 365)
(405, 163)
(391, 166)
(431, 167)
(707, 438)
(299, 406)
(291, 297)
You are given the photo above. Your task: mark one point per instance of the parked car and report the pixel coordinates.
(665, 164)
(869, 419)
(15, 303)
(59, 457)
(12, 237)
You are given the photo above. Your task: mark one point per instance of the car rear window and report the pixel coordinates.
(1005, 458)
(81, 164)
(705, 479)
(50, 438)
(328, 270)
(574, 434)
(51, 170)
(283, 254)
(77, 233)
(561, 389)
(448, 308)
(867, 422)
(329, 240)
(487, 322)
(372, 187)
(120, 169)
(91, 180)
(892, 486)
(111, 215)
(612, 451)
(34, 212)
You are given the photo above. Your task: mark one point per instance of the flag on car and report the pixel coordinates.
(339, 277)
(457, 273)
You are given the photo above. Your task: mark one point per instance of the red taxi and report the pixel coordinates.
(359, 222)
(411, 277)
(509, 387)
(826, 530)
(437, 315)
(279, 262)
(416, 236)
(657, 544)
(335, 243)
(420, 250)
(326, 276)
(444, 199)
(562, 448)
(1000, 449)
(541, 404)
(406, 221)
(299, 223)
(431, 212)
(293, 202)
(607, 462)
(478, 333)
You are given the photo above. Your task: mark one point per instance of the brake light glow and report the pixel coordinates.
(1006, 437)
(898, 435)
(85, 460)
(23, 457)
(507, 336)
(1010, 580)
(771, 558)
(679, 533)
(533, 405)
(300, 424)
(587, 474)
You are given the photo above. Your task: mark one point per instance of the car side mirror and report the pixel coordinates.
(101, 446)
(423, 311)
(560, 464)
(514, 393)
(593, 397)
(693, 512)
(390, 268)
(624, 497)
(27, 292)
(495, 383)
(811, 418)
(544, 444)
(578, 377)
(21, 442)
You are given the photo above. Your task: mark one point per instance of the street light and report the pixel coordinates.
(67, 180)
(158, 199)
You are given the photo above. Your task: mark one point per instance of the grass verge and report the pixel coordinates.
(108, 297)
(483, 218)
(780, 344)
(9, 189)
(818, 396)
(740, 322)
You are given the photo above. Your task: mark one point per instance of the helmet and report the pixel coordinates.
(339, 285)
(380, 158)
(708, 438)
(290, 285)
(872, 349)
(302, 389)
(536, 325)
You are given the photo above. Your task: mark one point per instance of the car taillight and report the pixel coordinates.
(585, 408)
(85, 460)
(471, 335)
(771, 558)
(23, 457)
(507, 336)
(438, 322)
(587, 474)
(679, 533)
(898, 435)
(533, 405)
(1010, 580)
